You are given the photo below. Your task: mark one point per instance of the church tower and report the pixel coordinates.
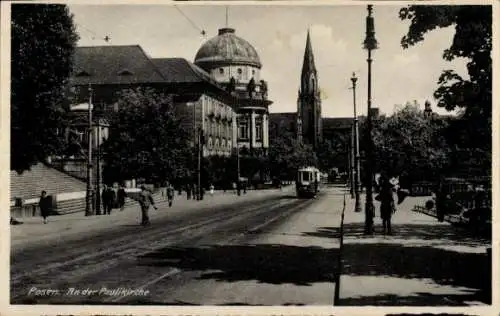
(309, 101)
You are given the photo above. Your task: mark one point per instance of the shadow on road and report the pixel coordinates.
(274, 264)
(420, 299)
(415, 261)
(444, 233)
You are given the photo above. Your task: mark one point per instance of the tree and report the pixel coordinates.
(43, 42)
(411, 145)
(473, 41)
(333, 153)
(146, 140)
(286, 155)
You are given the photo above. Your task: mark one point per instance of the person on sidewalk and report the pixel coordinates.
(188, 191)
(441, 201)
(145, 201)
(387, 206)
(212, 189)
(108, 199)
(170, 194)
(45, 205)
(121, 197)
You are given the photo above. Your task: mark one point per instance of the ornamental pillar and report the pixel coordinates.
(252, 129)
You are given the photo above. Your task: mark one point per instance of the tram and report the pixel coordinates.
(307, 182)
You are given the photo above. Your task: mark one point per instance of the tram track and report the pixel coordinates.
(123, 250)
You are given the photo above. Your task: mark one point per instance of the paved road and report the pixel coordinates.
(207, 255)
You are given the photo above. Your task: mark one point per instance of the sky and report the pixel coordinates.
(278, 33)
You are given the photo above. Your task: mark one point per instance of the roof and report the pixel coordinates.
(308, 65)
(286, 118)
(179, 70)
(113, 65)
(336, 123)
(227, 48)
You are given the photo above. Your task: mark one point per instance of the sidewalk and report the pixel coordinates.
(76, 224)
(425, 262)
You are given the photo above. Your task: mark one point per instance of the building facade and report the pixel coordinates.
(235, 64)
(202, 104)
(199, 100)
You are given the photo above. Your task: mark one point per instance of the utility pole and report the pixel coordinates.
(238, 159)
(357, 171)
(89, 196)
(98, 172)
(370, 43)
(351, 164)
(200, 148)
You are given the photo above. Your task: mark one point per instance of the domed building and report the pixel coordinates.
(235, 64)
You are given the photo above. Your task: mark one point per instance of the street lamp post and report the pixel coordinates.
(370, 43)
(89, 196)
(357, 172)
(98, 172)
(351, 164)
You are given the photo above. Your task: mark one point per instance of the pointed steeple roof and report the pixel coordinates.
(308, 65)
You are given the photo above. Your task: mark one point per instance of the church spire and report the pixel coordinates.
(308, 65)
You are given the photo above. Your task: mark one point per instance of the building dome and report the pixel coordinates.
(226, 48)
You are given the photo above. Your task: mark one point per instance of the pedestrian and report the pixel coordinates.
(145, 201)
(234, 188)
(121, 197)
(45, 205)
(387, 206)
(108, 199)
(188, 191)
(211, 189)
(441, 201)
(164, 190)
(170, 194)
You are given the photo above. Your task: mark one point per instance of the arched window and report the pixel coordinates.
(210, 143)
(83, 73)
(221, 71)
(125, 72)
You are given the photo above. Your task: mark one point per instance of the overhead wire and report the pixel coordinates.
(202, 31)
(105, 38)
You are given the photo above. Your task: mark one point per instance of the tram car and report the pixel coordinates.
(307, 182)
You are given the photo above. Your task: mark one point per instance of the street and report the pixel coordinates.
(232, 254)
(263, 248)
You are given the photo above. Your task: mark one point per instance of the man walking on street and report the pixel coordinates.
(146, 200)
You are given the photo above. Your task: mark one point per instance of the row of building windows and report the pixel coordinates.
(219, 109)
(218, 143)
(219, 129)
(239, 72)
(244, 130)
